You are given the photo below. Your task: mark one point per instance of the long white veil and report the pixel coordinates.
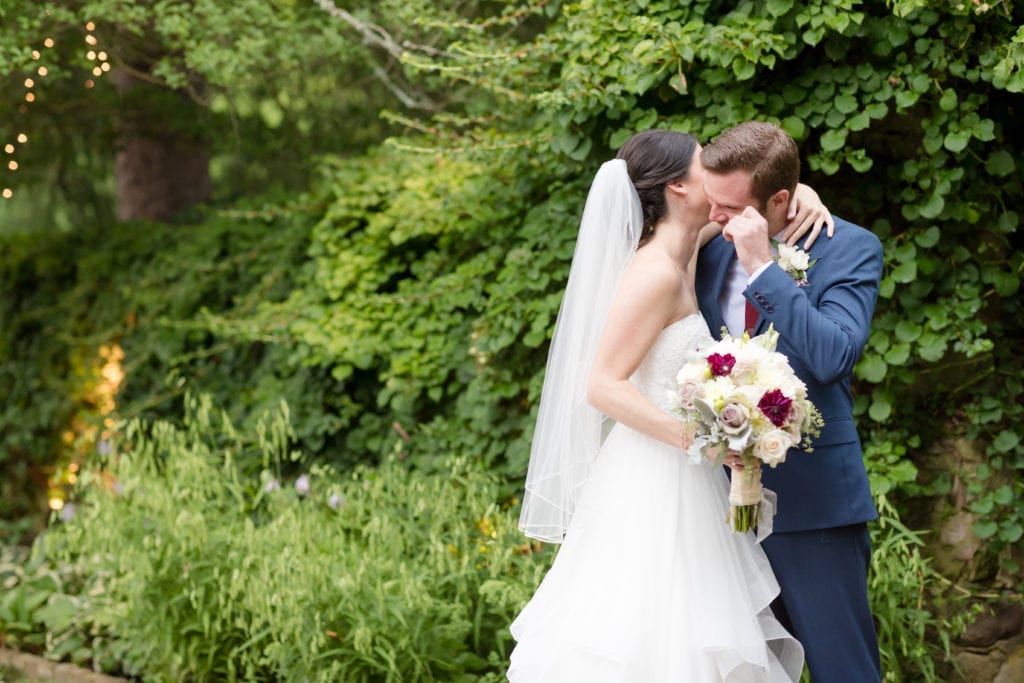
(568, 433)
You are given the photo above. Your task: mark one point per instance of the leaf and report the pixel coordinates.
(1006, 441)
(847, 104)
(778, 7)
(743, 69)
(907, 331)
(1011, 533)
(1000, 163)
(795, 126)
(948, 100)
(985, 528)
(871, 368)
(832, 140)
(904, 272)
(929, 238)
(897, 354)
(956, 140)
(880, 409)
(931, 347)
(933, 207)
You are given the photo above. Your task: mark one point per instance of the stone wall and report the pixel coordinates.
(991, 649)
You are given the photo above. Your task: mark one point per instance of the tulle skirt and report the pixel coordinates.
(652, 585)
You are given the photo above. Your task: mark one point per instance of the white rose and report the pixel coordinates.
(772, 446)
(693, 372)
(791, 258)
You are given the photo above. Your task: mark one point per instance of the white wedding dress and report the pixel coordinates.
(651, 585)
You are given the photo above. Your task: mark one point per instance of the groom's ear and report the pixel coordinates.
(780, 199)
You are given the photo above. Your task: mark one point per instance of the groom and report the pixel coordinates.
(820, 548)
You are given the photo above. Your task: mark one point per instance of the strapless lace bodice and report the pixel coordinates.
(677, 344)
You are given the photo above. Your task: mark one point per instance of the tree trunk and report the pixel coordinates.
(161, 168)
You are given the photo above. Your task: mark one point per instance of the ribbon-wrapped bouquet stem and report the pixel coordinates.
(742, 395)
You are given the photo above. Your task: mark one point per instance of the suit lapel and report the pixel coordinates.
(713, 267)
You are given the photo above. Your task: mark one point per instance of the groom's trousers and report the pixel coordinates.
(824, 601)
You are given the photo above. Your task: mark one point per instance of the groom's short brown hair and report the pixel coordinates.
(763, 149)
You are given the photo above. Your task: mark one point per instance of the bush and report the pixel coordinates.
(193, 570)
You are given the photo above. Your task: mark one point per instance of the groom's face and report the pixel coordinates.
(728, 194)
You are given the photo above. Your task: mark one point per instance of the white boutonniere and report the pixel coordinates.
(795, 261)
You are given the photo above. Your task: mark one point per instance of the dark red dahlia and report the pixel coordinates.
(721, 364)
(776, 406)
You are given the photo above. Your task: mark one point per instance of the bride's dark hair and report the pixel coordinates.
(655, 158)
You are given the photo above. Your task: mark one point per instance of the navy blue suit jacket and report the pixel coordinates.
(823, 327)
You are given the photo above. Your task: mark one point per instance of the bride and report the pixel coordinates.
(650, 584)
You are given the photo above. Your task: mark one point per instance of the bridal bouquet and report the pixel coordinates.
(742, 395)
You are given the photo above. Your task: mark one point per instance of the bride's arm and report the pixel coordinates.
(643, 305)
(807, 213)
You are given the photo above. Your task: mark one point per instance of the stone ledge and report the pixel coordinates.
(34, 667)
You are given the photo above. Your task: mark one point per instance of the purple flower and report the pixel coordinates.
(335, 501)
(302, 485)
(721, 364)
(272, 485)
(67, 513)
(776, 406)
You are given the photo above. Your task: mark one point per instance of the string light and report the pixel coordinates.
(9, 148)
(30, 97)
(8, 193)
(97, 71)
(102, 56)
(29, 83)
(22, 138)
(90, 26)
(42, 71)
(48, 42)
(90, 55)
(35, 54)
(105, 66)
(90, 83)
(91, 39)
(13, 165)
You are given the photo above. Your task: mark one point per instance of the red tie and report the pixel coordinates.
(749, 317)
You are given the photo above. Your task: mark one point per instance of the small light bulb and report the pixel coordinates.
(97, 71)
(7, 193)
(90, 26)
(29, 83)
(48, 42)
(30, 97)
(22, 138)
(91, 54)
(35, 54)
(90, 83)
(9, 148)
(43, 71)
(13, 165)
(91, 39)
(102, 56)
(105, 66)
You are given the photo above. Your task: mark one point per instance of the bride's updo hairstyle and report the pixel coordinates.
(655, 158)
